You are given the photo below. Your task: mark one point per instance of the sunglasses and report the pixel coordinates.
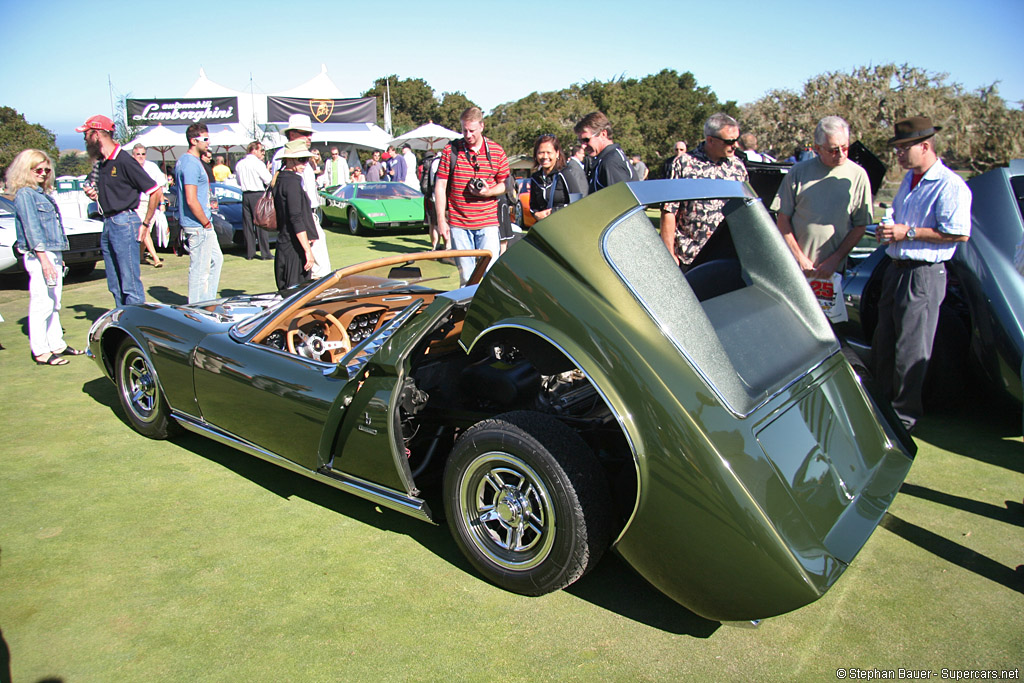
(836, 150)
(203, 139)
(42, 170)
(727, 143)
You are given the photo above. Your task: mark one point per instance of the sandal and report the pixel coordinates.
(53, 359)
(68, 351)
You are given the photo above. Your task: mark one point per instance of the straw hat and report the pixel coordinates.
(296, 149)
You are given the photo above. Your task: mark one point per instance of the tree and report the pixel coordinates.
(124, 132)
(979, 132)
(73, 163)
(412, 102)
(17, 134)
(450, 109)
(648, 115)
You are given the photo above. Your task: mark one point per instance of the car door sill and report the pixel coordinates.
(386, 497)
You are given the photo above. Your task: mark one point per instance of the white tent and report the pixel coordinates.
(428, 136)
(252, 113)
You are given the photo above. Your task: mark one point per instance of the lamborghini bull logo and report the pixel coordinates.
(321, 109)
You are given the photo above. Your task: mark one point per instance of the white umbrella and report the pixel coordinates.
(229, 136)
(160, 140)
(428, 136)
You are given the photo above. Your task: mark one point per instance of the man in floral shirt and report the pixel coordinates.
(687, 226)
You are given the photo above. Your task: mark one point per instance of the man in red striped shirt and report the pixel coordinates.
(468, 211)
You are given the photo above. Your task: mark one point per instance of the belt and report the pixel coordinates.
(909, 263)
(117, 213)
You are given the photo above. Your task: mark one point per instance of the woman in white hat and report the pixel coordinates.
(293, 259)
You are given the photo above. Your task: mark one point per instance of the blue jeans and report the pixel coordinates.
(120, 243)
(482, 238)
(205, 261)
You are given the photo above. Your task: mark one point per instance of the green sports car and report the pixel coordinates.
(374, 206)
(582, 396)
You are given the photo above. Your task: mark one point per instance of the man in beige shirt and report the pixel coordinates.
(825, 203)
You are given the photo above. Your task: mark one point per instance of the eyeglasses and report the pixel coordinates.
(727, 143)
(42, 170)
(203, 139)
(903, 149)
(836, 150)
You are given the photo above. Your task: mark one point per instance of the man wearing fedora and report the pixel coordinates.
(300, 127)
(931, 213)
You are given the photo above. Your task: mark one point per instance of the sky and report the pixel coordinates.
(60, 64)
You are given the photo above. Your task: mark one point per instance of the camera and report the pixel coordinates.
(477, 185)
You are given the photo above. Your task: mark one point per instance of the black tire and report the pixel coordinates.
(353, 221)
(140, 394)
(527, 502)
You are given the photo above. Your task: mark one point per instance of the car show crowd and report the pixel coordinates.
(823, 208)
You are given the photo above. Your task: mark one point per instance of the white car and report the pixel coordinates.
(83, 242)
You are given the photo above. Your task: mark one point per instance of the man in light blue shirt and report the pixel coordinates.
(932, 213)
(205, 257)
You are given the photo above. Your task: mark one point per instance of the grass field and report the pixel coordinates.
(125, 559)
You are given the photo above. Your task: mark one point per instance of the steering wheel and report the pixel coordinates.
(316, 345)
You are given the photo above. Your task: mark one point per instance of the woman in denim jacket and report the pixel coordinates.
(41, 239)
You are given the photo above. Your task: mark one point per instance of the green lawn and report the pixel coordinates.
(125, 559)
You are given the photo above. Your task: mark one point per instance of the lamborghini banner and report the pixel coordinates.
(183, 111)
(351, 110)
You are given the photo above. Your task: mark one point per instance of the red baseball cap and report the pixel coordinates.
(98, 122)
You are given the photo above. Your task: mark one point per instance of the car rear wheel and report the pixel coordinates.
(140, 394)
(353, 221)
(527, 502)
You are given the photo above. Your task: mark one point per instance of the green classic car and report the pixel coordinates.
(374, 206)
(582, 395)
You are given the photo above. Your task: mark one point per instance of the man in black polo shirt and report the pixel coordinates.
(119, 182)
(610, 163)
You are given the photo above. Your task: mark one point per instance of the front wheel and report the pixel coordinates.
(527, 502)
(353, 220)
(140, 394)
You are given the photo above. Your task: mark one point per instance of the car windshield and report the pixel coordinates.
(389, 281)
(421, 276)
(382, 191)
(6, 207)
(227, 194)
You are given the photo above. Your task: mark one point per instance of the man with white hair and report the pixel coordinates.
(825, 203)
(159, 219)
(300, 127)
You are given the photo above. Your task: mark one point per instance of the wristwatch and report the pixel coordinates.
(145, 225)
(912, 233)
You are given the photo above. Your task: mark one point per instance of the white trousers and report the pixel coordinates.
(323, 260)
(45, 334)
